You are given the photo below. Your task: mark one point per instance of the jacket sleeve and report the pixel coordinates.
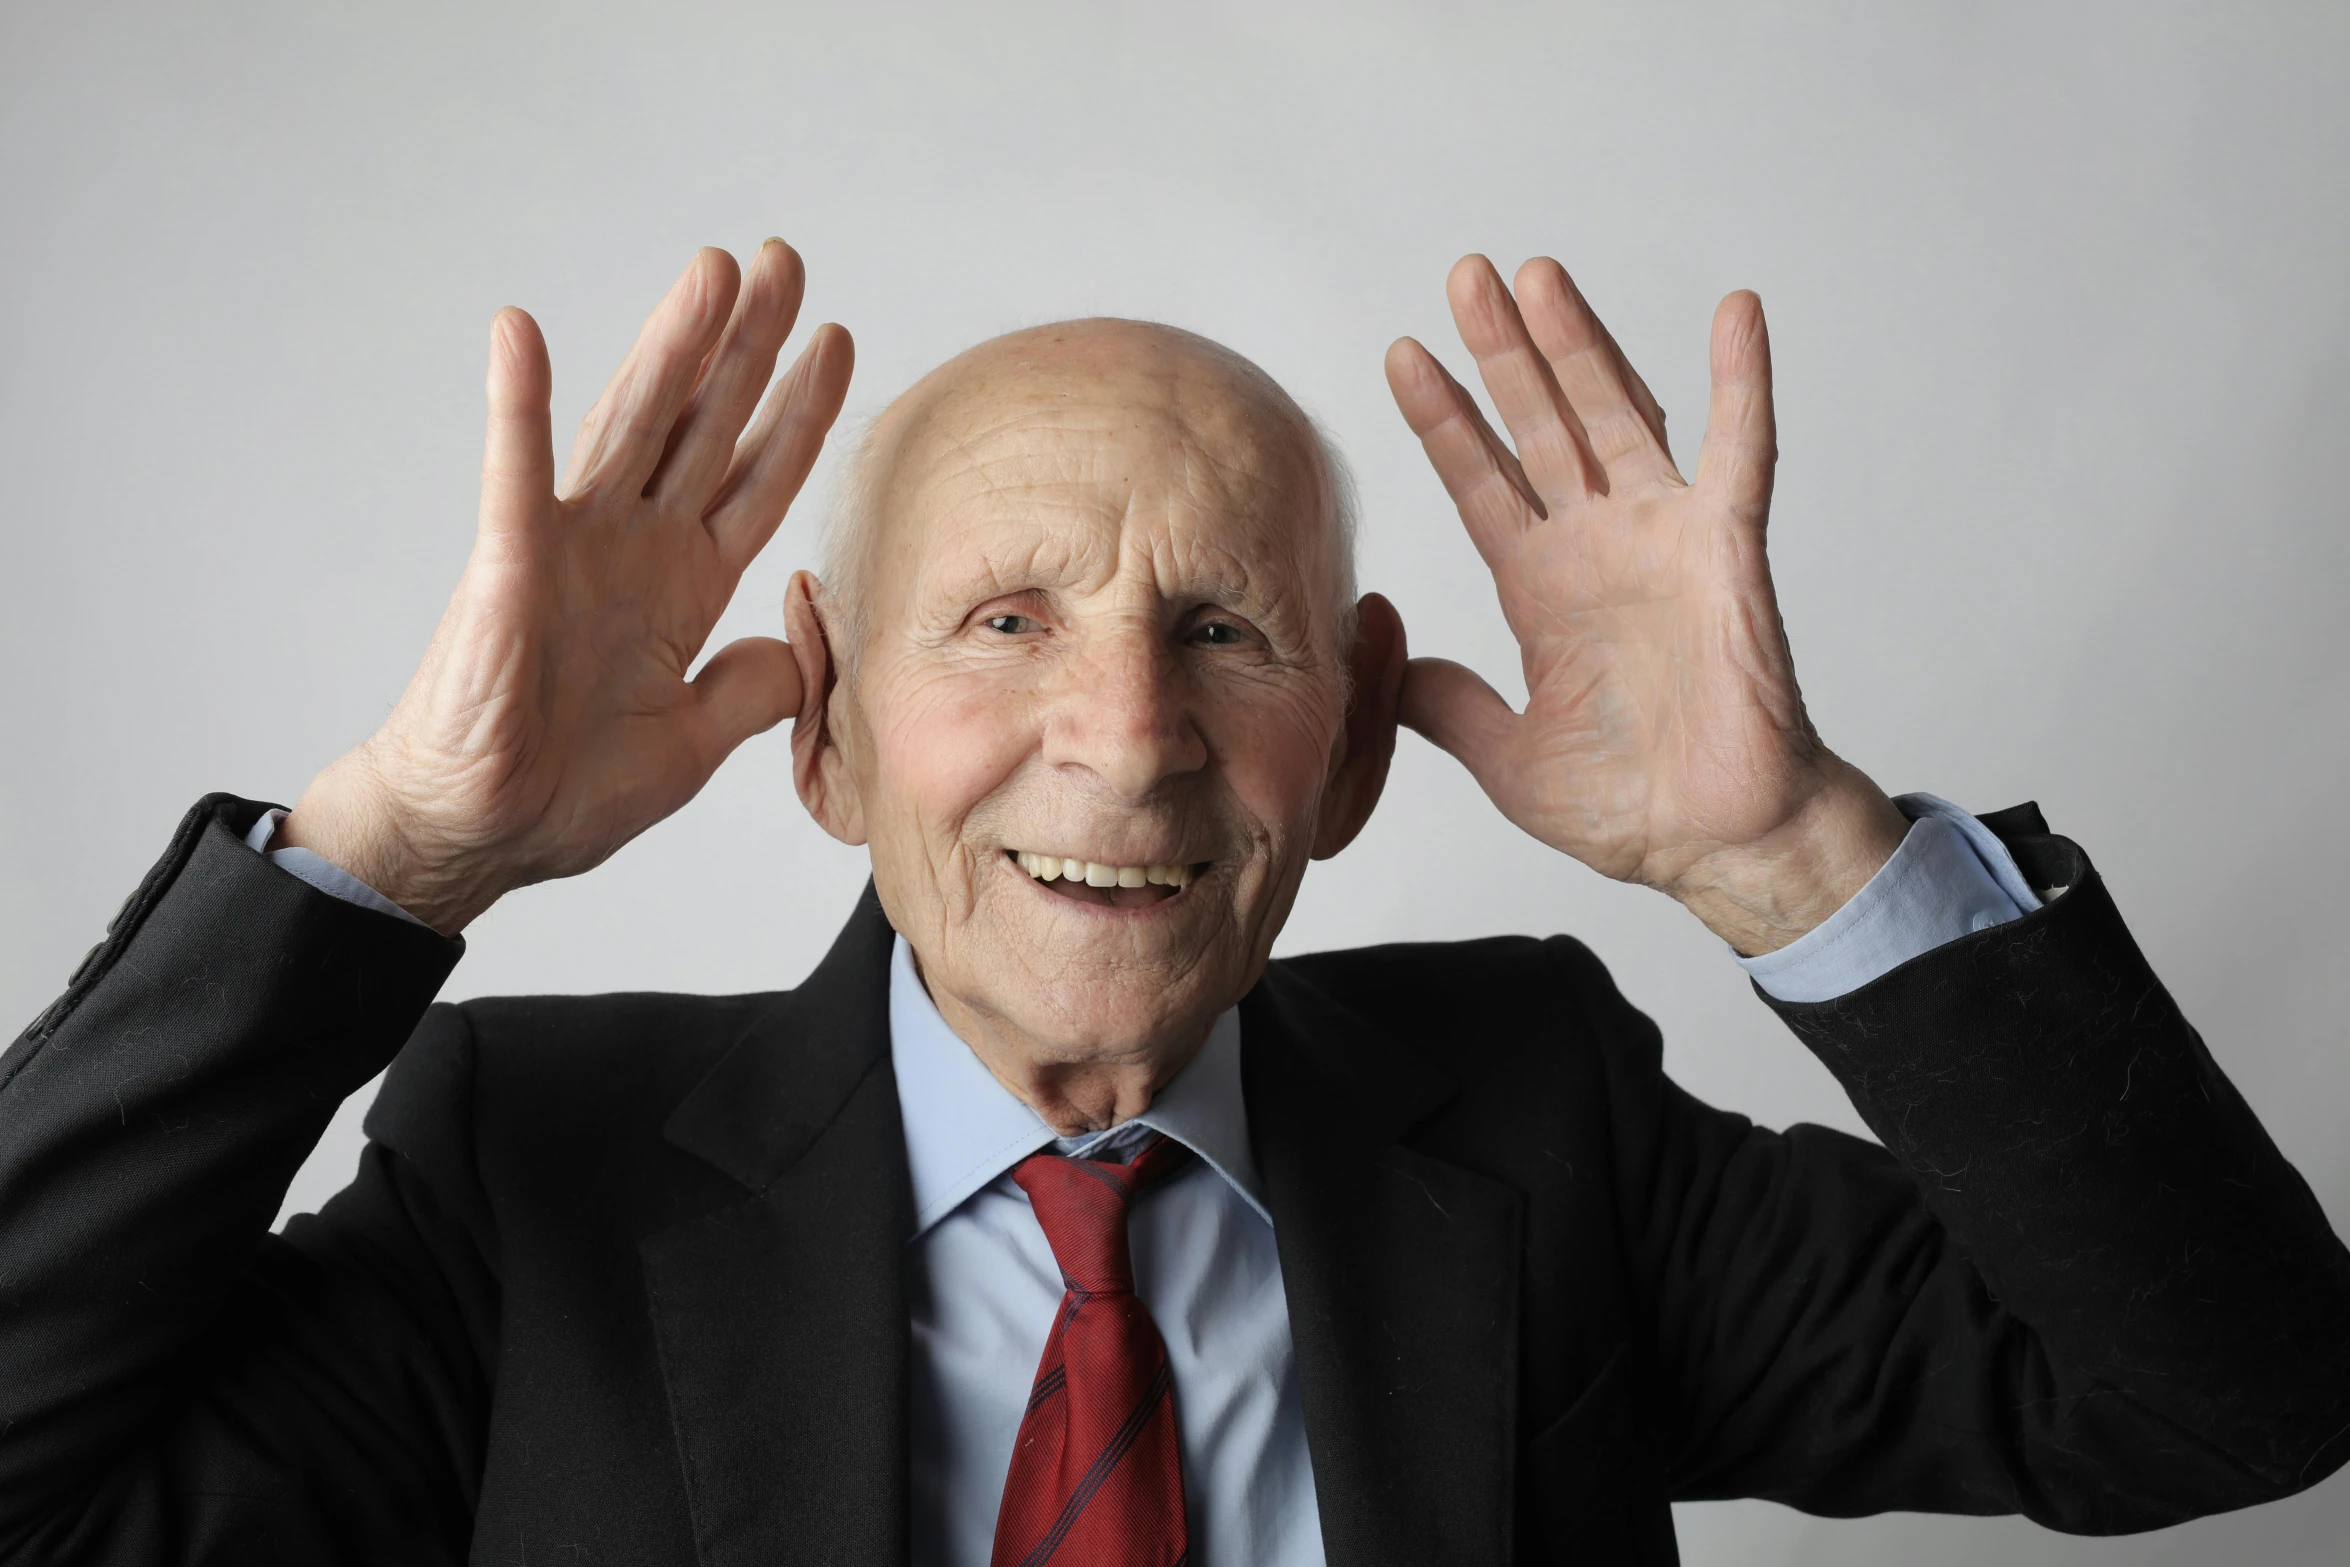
(176, 1383)
(2078, 1281)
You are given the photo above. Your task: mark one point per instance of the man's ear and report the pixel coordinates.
(1368, 742)
(819, 770)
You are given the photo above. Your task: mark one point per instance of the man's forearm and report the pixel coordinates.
(2068, 1127)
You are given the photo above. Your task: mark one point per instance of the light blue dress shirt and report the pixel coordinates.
(983, 1286)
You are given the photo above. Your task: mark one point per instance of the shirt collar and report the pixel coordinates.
(963, 1128)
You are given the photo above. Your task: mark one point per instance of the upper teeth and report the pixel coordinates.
(1054, 867)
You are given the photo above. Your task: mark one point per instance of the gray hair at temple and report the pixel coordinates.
(849, 524)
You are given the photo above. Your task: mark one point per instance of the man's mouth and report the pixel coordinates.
(1108, 886)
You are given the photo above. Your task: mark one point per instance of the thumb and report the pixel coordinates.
(518, 457)
(1454, 709)
(749, 687)
(1741, 445)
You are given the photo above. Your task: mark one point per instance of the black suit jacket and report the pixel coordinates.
(622, 1277)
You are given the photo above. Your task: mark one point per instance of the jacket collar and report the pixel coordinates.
(770, 1098)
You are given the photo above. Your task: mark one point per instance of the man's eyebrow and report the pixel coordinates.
(1202, 576)
(997, 568)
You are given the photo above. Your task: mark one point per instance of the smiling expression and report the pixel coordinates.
(1098, 706)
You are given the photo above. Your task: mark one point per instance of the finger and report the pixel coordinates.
(1478, 471)
(1454, 709)
(701, 444)
(1642, 398)
(747, 688)
(624, 435)
(518, 452)
(773, 461)
(1741, 445)
(1544, 424)
(1590, 369)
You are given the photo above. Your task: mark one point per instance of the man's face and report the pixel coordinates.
(1101, 630)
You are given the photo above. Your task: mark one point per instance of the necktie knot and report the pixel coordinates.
(1082, 1203)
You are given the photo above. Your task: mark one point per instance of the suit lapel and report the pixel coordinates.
(1402, 1278)
(781, 1318)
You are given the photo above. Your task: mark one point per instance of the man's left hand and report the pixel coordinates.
(1664, 739)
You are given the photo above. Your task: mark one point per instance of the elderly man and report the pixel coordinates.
(1049, 1221)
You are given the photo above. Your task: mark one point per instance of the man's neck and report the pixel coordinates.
(1075, 1089)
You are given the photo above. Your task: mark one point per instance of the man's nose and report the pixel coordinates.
(1124, 712)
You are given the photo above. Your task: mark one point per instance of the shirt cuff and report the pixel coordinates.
(324, 874)
(1950, 877)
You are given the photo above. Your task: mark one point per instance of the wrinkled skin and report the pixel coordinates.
(1103, 623)
(1102, 620)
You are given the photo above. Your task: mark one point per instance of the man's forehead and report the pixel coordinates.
(1101, 406)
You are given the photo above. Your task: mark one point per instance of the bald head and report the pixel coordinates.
(1101, 394)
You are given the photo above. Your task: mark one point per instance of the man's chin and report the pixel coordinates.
(1096, 979)
(1108, 999)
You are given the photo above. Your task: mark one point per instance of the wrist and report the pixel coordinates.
(1763, 895)
(351, 817)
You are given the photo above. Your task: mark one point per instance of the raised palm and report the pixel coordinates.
(552, 718)
(1663, 725)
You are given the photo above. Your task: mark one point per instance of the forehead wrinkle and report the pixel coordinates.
(981, 448)
(1268, 483)
(1005, 558)
(1073, 469)
(1001, 493)
(1187, 566)
(1260, 565)
(1161, 426)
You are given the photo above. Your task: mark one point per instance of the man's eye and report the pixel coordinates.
(1010, 625)
(1217, 633)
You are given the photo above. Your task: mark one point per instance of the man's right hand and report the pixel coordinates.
(552, 720)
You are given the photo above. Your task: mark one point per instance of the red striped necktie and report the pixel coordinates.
(1097, 1472)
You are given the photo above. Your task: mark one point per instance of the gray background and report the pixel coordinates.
(2059, 312)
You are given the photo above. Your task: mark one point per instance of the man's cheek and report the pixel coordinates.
(1275, 760)
(953, 747)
